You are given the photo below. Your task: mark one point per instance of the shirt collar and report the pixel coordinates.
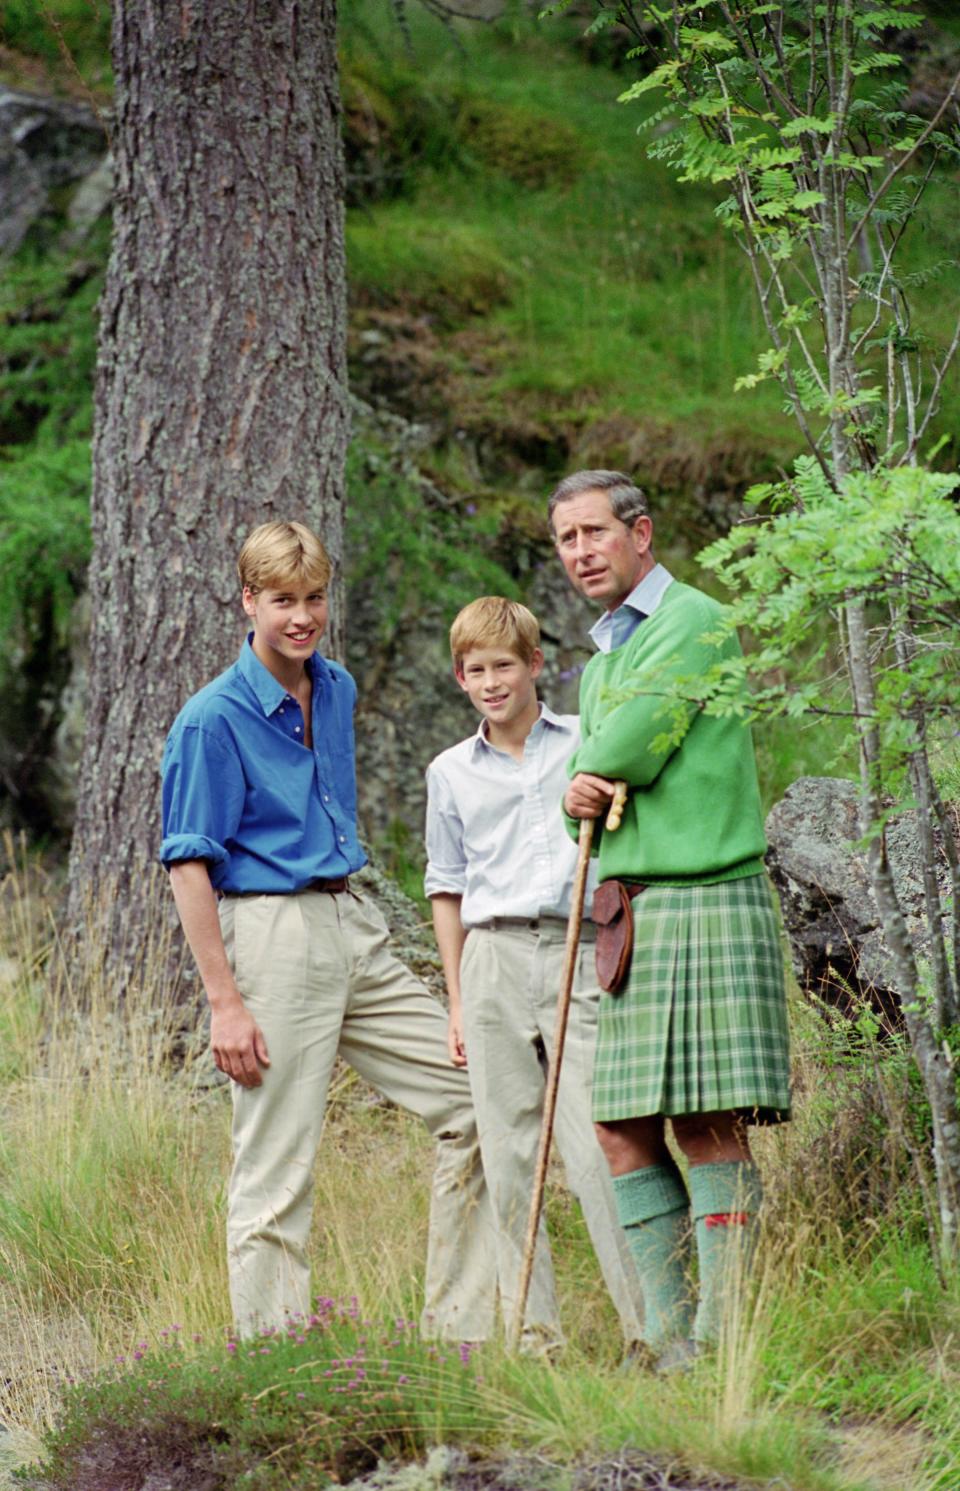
(269, 693)
(547, 717)
(617, 626)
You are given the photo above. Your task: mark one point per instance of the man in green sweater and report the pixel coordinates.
(698, 1031)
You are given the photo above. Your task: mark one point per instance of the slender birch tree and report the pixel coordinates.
(796, 111)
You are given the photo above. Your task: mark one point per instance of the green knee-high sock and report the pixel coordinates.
(653, 1208)
(724, 1200)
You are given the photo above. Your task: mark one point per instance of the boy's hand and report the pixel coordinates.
(588, 796)
(238, 1045)
(455, 1042)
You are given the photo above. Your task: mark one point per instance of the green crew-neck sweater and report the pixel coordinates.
(693, 812)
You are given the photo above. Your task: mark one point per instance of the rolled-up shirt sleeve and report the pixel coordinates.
(446, 872)
(203, 797)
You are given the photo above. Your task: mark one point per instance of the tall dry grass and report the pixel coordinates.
(837, 1369)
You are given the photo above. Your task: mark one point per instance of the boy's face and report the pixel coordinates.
(500, 685)
(288, 621)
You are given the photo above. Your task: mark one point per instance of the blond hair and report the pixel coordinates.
(276, 555)
(493, 621)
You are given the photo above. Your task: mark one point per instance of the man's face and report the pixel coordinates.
(603, 557)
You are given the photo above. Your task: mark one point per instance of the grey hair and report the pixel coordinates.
(627, 502)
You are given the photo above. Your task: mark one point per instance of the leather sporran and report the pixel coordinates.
(613, 915)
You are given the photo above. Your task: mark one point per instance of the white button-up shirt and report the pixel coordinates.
(495, 831)
(618, 626)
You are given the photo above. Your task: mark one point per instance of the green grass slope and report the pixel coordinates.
(576, 298)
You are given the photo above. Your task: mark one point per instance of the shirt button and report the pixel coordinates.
(281, 709)
(296, 729)
(343, 838)
(326, 797)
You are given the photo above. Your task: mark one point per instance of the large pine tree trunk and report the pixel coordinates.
(221, 393)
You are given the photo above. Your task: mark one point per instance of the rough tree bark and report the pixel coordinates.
(221, 389)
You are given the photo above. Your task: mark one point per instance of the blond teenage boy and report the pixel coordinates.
(499, 876)
(260, 838)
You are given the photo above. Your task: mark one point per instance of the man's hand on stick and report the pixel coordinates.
(588, 796)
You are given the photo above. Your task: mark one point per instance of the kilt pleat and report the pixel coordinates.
(700, 1025)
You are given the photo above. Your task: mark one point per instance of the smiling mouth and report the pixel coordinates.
(299, 636)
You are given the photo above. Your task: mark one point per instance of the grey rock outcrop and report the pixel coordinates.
(45, 143)
(410, 706)
(91, 199)
(829, 910)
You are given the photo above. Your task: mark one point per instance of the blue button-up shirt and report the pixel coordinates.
(618, 626)
(241, 791)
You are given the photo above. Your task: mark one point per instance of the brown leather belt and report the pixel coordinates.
(334, 887)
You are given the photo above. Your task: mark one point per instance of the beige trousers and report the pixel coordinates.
(317, 974)
(510, 980)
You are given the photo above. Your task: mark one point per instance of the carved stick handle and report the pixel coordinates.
(615, 811)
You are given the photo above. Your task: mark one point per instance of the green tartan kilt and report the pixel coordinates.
(700, 1024)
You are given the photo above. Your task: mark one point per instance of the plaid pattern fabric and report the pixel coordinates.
(701, 1023)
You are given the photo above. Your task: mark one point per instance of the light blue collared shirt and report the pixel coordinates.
(618, 626)
(495, 833)
(241, 791)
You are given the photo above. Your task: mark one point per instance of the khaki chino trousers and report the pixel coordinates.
(510, 975)
(317, 974)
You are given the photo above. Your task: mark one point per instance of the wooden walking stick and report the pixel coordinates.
(614, 815)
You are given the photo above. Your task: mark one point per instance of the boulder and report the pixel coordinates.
(45, 144)
(830, 914)
(92, 198)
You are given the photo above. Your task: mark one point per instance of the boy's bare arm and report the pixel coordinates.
(237, 1042)
(450, 939)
